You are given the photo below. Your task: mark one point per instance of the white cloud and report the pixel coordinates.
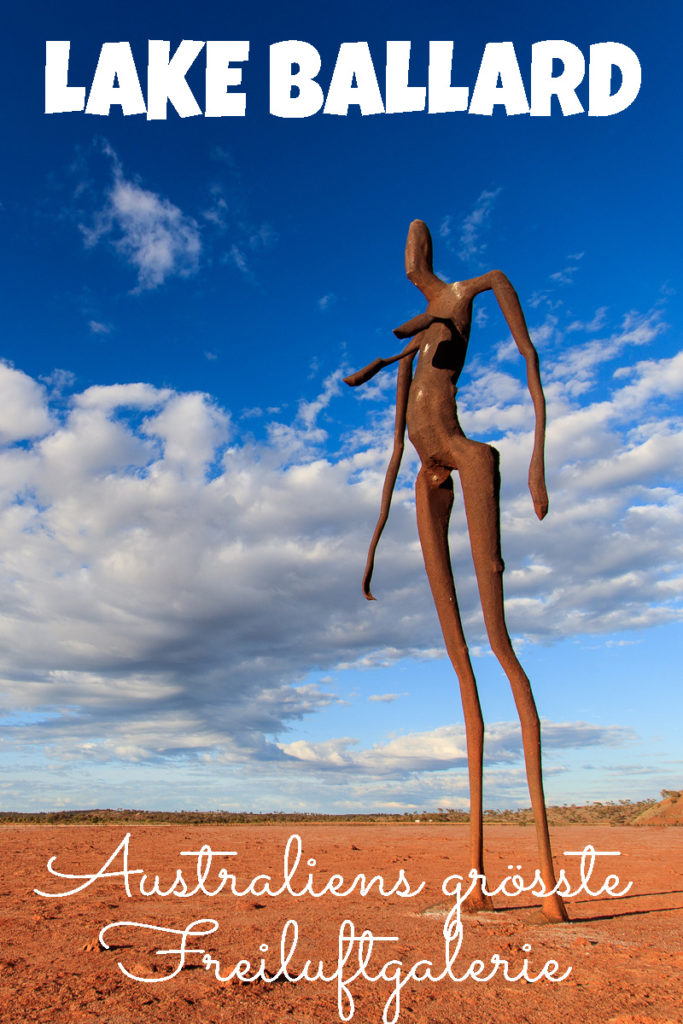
(595, 324)
(652, 377)
(309, 411)
(191, 429)
(446, 747)
(238, 257)
(470, 244)
(576, 366)
(59, 381)
(108, 397)
(159, 239)
(23, 407)
(564, 276)
(548, 296)
(228, 215)
(150, 232)
(97, 327)
(302, 439)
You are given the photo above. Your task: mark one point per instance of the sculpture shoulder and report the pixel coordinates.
(485, 282)
(459, 295)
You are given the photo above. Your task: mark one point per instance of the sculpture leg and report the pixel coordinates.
(478, 469)
(434, 492)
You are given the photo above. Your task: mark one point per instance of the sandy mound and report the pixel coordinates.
(668, 811)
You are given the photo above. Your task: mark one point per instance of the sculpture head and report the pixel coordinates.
(442, 298)
(419, 260)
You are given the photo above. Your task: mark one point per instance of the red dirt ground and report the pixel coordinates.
(625, 953)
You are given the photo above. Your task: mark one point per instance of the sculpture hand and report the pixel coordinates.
(539, 493)
(361, 376)
(369, 371)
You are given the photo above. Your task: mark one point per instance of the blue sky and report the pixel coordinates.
(188, 489)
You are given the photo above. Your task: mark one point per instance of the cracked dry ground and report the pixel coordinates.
(625, 953)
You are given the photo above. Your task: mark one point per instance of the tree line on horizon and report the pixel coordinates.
(621, 812)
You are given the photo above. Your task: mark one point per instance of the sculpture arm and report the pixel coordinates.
(512, 311)
(405, 376)
(369, 371)
(412, 327)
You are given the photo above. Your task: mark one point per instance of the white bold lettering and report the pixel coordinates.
(220, 76)
(309, 96)
(354, 63)
(115, 64)
(603, 57)
(545, 85)
(499, 62)
(443, 97)
(60, 97)
(166, 78)
(401, 97)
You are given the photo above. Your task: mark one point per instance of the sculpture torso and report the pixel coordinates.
(432, 417)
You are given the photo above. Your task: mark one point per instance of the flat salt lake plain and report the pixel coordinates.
(625, 952)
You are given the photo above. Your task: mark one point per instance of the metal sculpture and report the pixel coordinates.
(425, 404)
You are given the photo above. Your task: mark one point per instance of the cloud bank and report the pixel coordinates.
(168, 588)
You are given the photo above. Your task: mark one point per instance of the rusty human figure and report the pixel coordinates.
(426, 404)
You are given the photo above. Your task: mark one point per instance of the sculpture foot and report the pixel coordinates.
(478, 903)
(554, 910)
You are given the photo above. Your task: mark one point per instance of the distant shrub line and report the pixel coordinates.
(622, 812)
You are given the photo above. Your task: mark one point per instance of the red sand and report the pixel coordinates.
(625, 953)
